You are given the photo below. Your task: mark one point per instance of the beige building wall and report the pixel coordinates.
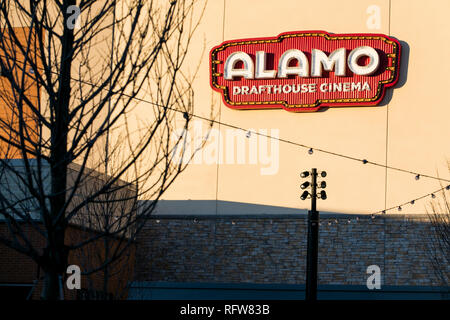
(409, 130)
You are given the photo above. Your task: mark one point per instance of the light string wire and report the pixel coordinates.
(310, 149)
(413, 201)
(249, 132)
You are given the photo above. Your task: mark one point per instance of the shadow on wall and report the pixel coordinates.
(403, 76)
(219, 207)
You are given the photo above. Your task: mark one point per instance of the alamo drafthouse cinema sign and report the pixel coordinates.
(303, 71)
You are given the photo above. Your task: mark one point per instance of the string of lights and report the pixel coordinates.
(311, 150)
(383, 212)
(373, 216)
(399, 207)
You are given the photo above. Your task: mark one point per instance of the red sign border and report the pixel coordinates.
(382, 85)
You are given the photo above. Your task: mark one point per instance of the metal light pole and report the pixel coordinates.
(313, 232)
(313, 242)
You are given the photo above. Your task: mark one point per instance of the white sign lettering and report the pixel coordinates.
(336, 61)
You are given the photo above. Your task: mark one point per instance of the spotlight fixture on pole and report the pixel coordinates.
(304, 185)
(313, 229)
(304, 195)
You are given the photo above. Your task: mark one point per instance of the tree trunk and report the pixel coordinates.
(56, 253)
(51, 288)
(54, 264)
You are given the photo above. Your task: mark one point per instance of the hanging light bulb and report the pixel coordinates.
(433, 195)
(447, 187)
(372, 216)
(418, 177)
(399, 208)
(413, 201)
(310, 151)
(383, 212)
(248, 134)
(364, 161)
(349, 221)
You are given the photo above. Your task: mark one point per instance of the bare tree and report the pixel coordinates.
(439, 239)
(107, 263)
(73, 74)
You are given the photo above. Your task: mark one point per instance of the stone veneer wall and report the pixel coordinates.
(271, 249)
